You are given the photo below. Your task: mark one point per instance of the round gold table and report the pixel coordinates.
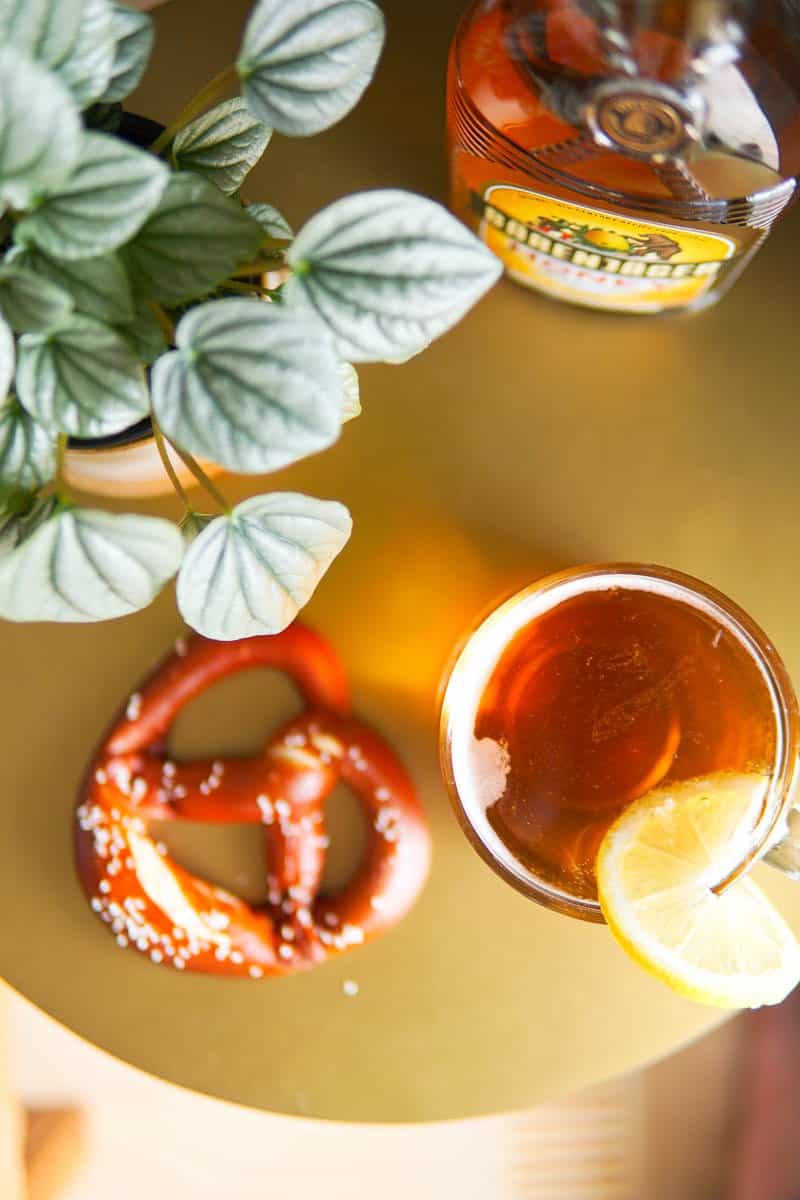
(533, 436)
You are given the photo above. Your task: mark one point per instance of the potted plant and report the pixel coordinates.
(136, 286)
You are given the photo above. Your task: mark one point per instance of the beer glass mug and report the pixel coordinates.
(589, 689)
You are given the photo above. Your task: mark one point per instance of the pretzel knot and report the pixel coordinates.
(155, 906)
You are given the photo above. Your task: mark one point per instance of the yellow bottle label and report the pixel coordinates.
(599, 258)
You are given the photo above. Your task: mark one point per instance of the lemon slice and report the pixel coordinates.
(656, 869)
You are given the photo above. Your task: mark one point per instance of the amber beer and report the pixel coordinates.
(583, 693)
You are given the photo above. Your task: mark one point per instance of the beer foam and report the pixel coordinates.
(490, 764)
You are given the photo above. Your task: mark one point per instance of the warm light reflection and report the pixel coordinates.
(428, 582)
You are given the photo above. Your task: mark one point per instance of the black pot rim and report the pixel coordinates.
(139, 432)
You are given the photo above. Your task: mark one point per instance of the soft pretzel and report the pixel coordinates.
(158, 908)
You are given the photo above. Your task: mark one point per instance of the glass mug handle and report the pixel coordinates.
(785, 852)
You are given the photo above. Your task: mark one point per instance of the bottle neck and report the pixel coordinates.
(679, 18)
(662, 39)
(721, 149)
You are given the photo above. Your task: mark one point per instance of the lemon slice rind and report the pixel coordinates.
(656, 869)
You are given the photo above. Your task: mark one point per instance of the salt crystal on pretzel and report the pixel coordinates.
(156, 908)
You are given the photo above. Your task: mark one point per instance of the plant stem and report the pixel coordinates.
(275, 263)
(274, 260)
(246, 289)
(164, 320)
(161, 446)
(62, 491)
(247, 269)
(202, 478)
(275, 245)
(214, 90)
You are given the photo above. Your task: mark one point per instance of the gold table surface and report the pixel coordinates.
(534, 435)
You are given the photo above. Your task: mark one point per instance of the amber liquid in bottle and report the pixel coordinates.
(626, 162)
(602, 698)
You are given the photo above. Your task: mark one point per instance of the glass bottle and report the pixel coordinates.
(631, 156)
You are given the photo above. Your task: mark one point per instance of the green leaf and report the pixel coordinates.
(6, 357)
(99, 287)
(73, 38)
(87, 69)
(271, 221)
(23, 513)
(252, 571)
(305, 63)
(28, 302)
(106, 199)
(133, 42)
(144, 333)
(14, 502)
(87, 565)
(27, 451)
(195, 238)
(45, 29)
(351, 407)
(387, 271)
(81, 378)
(8, 526)
(41, 130)
(249, 386)
(223, 145)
